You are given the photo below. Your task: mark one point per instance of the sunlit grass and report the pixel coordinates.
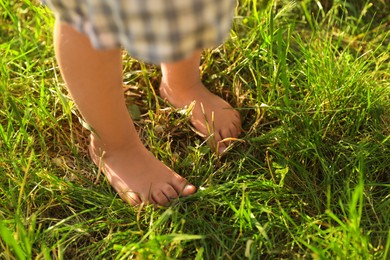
(308, 179)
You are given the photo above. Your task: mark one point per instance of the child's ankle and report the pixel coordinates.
(99, 146)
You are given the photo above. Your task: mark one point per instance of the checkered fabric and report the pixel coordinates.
(150, 30)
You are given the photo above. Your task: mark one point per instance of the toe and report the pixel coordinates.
(237, 120)
(237, 127)
(159, 198)
(170, 192)
(189, 189)
(221, 148)
(216, 138)
(235, 130)
(131, 198)
(182, 187)
(227, 134)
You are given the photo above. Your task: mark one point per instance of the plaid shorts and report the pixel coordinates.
(150, 30)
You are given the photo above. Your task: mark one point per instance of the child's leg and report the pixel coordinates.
(94, 79)
(181, 85)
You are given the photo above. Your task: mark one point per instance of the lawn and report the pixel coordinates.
(308, 178)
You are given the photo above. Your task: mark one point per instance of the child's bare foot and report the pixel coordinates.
(211, 115)
(137, 175)
(94, 79)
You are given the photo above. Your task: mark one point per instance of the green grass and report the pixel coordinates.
(309, 179)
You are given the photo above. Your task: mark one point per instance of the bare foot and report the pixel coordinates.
(138, 176)
(211, 116)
